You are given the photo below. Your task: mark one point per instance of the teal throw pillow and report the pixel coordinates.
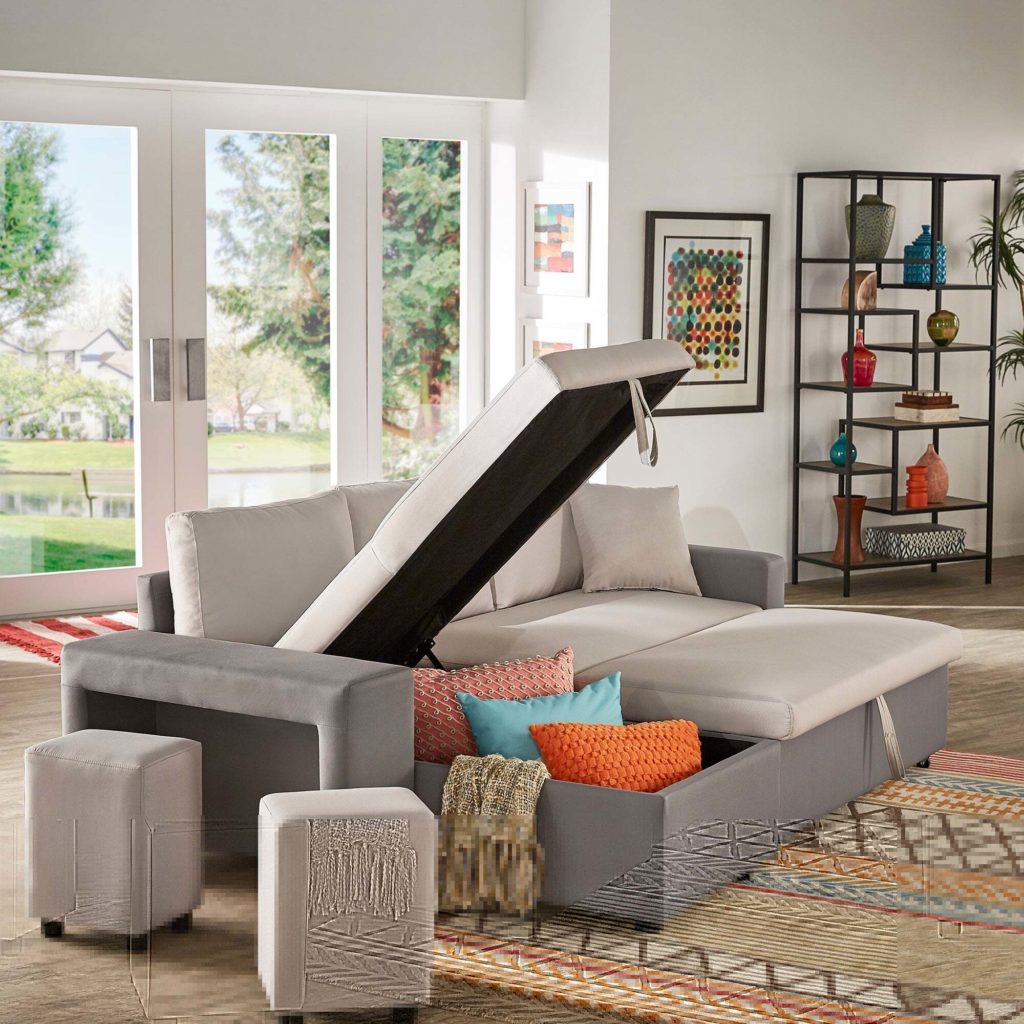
(503, 726)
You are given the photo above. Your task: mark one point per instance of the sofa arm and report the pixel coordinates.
(156, 603)
(363, 711)
(732, 574)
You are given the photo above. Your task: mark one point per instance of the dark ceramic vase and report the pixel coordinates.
(857, 502)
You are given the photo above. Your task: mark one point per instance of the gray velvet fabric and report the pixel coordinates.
(156, 604)
(358, 714)
(732, 574)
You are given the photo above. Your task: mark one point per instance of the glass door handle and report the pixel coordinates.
(160, 369)
(195, 369)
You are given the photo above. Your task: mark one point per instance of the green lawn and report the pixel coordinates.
(248, 450)
(55, 544)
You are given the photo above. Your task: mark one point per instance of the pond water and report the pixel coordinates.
(32, 494)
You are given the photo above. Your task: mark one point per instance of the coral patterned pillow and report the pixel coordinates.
(647, 756)
(442, 731)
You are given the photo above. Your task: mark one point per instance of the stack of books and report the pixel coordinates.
(927, 407)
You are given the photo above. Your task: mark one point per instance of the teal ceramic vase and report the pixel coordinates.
(875, 221)
(837, 453)
(921, 249)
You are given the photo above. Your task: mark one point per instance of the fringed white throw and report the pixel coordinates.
(360, 864)
(488, 854)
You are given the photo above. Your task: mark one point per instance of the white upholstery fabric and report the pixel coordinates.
(246, 574)
(600, 627)
(283, 905)
(631, 538)
(778, 673)
(411, 521)
(548, 563)
(83, 792)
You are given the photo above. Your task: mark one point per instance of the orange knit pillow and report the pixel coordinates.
(647, 756)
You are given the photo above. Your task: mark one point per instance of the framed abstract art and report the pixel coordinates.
(540, 337)
(556, 253)
(706, 287)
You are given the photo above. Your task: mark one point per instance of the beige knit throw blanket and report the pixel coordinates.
(488, 857)
(360, 864)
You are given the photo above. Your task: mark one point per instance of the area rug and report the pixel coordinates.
(905, 906)
(45, 638)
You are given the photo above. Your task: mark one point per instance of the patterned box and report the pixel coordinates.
(919, 540)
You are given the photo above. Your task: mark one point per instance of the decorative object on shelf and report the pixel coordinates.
(837, 453)
(866, 282)
(921, 249)
(916, 541)
(926, 407)
(857, 502)
(875, 221)
(917, 486)
(943, 327)
(541, 337)
(938, 475)
(556, 255)
(706, 287)
(864, 361)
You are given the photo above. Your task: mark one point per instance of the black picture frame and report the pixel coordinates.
(734, 397)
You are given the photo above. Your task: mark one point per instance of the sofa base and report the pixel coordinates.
(606, 850)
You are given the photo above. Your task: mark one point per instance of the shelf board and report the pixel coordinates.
(926, 347)
(859, 468)
(843, 311)
(877, 562)
(839, 385)
(891, 423)
(940, 288)
(951, 504)
(864, 263)
(899, 175)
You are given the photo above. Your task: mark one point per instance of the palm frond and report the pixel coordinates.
(1015, 425)
(1011, 358)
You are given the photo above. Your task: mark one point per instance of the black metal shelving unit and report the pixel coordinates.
(893, 504)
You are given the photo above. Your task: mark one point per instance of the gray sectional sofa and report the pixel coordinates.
(482, 564)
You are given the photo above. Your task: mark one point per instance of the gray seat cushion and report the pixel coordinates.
(778, 673)
(601, 628)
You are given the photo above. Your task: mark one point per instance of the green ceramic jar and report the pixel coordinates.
(943, 327)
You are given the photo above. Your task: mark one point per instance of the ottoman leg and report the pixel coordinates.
(182, 923)
(289, 1018)
(137, 943)
(51, 929)
(925, 763)
(404, 1015)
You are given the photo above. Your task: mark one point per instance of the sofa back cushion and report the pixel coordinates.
(548, 563)
(246, 574)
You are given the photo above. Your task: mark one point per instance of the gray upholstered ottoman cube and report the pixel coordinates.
(89, 797)
(346, 899)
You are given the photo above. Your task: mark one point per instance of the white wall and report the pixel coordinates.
(441, 47)
(558, 134)
(715, 107)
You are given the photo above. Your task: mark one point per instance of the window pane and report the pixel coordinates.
(268, 315)
(67, 334)
(421, 274)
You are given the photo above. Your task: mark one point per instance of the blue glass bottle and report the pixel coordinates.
(921, 249)
(837, 453)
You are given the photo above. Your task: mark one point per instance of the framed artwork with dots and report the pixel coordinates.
(706, 288)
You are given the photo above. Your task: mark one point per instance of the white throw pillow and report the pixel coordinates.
(631, 538)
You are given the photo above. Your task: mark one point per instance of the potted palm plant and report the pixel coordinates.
(1008, 231)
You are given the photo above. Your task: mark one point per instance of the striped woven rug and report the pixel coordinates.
(906, 906)
(45, 638)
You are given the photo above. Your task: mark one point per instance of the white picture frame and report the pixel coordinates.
(556, 238)
(538, 337)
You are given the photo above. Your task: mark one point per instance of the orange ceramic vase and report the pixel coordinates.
(938, 475)
(857, 502)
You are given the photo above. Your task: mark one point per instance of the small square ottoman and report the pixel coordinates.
(346, 900)
(89, 797)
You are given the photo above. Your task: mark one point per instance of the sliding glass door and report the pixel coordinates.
(220, 298)
(84, 283)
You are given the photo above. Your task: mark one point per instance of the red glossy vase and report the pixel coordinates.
(857, 502)
(863, 363)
